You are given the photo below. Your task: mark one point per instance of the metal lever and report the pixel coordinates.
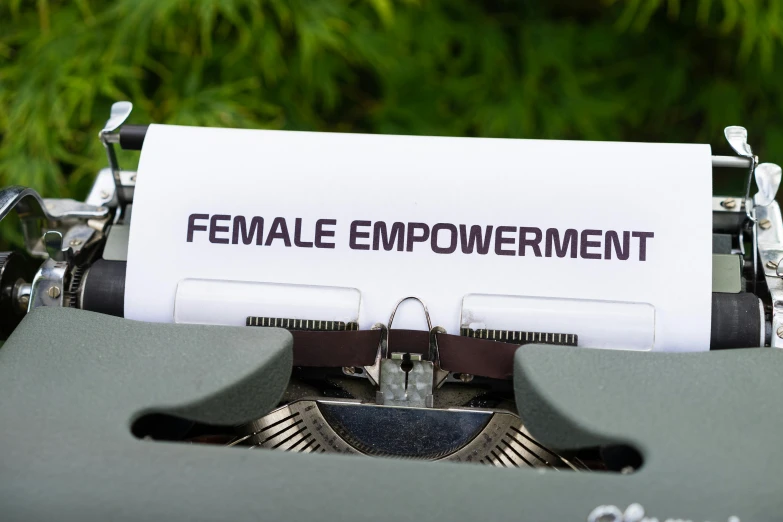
(738, 139)
(119, 113)
(768, 177)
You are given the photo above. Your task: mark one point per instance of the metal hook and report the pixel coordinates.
(426, 312)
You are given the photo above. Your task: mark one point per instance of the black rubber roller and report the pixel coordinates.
(15, 270)
(132, 136)
(736, 318)
(104, 288)
(736, 321)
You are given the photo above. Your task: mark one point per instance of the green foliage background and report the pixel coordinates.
(644, 70)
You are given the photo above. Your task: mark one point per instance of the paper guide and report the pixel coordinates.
(379, 218)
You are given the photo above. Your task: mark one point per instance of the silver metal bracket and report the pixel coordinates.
(48, 286)
(406, 380)
(770, 247)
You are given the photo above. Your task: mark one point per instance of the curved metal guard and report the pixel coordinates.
(37, 214)
(495, 438)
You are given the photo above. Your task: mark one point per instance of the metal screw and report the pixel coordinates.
(465, 377)
(349, 370)
(780, 332)
(765, 224)
(104, 194)
(75, 242)
(24, 301)
(772, 265)
(133, 178)
(54, 292)
(729, 203)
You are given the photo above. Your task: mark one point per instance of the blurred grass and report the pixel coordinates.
(645, 70)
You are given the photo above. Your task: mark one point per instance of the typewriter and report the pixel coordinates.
(294, 419)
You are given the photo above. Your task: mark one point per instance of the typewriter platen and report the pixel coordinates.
(420, 395)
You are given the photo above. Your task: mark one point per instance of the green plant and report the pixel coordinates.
(649, 70)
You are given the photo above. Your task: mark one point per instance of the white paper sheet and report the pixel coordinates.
(441, 186)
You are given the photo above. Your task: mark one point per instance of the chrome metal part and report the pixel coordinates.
(119, 113)
(406, 381)
(770, 248)
(41, 215)
(426, 311)
(439, 373)
(102, 192)
(475, 436)
(738, 139)
(733, 162)
(755, 256)
(70, 209)
(48, 284)
(74, 288)
(768, 176)
(77, 237)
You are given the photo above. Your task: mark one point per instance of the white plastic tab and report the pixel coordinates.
(210, 301)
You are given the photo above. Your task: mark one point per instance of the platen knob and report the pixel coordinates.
(16, 274)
